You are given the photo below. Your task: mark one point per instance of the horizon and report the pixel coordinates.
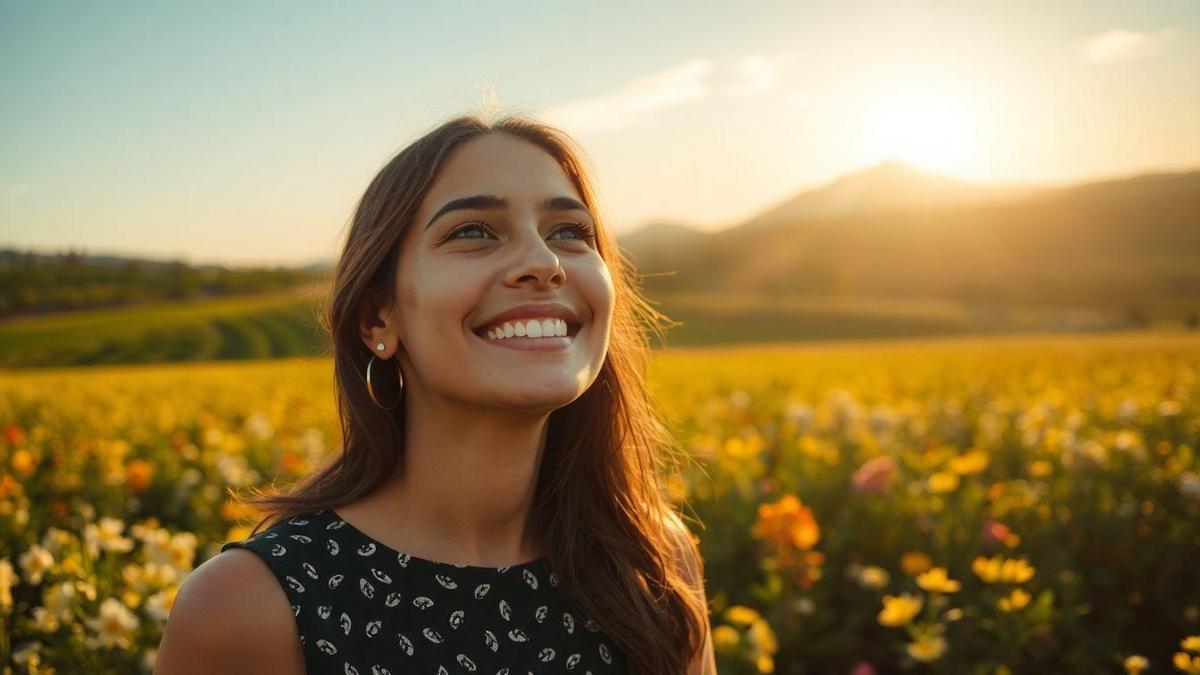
(90, 251)
(245, 135)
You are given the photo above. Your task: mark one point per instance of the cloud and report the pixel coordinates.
(1119, 45)
(758, 73)
(14, 190)
(683, 83)
(680, 84)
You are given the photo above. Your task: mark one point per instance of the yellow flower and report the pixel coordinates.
(23, 463)
(873, 577)
(998, 569)
(8, 579)
(1016, 571)
(741, 615)
(725, 637)
(915, 562)
(899, 610)
(1191, 643)
(1189, 665)
(927, 648)
(1041, 469)
(1135, 664)
(943, 482)
(762, 637)
(1015, 600)
(987, 569)
(759, 637)
(936, 581)
(973, 461)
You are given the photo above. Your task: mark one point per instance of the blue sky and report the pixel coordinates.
(245, 132)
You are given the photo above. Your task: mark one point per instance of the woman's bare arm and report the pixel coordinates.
(230, 616)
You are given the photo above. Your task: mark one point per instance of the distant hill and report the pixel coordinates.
(887, 186)
(894, 231)
(667, 244)
(35, 283)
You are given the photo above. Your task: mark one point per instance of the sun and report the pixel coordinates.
(930, 130)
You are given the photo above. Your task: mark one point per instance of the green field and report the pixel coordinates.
(285, 323)
(261, 326)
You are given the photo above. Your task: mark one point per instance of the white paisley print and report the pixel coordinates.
(362, 608)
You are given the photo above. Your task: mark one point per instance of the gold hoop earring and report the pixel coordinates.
(371, 389)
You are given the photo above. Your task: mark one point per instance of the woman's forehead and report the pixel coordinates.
(501, 165)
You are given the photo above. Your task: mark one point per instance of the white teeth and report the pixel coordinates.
(534, 328)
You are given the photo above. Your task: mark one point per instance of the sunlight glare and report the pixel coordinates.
(930, 131)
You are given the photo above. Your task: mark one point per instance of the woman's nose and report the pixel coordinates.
(536, 261)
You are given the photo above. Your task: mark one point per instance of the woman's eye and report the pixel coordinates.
(467, 228)
(582, 232)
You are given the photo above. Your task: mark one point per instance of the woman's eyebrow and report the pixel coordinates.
(494, 203)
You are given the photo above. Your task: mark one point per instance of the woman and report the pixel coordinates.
(496, 506)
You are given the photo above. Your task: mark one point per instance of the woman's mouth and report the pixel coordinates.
(530, 334)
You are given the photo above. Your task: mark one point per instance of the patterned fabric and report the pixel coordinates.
(362, 608)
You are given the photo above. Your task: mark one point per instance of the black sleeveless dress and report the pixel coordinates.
(362, 608)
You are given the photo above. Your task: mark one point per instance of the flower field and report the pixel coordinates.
(931, 506)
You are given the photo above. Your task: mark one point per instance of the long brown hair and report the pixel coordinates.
(599, 501)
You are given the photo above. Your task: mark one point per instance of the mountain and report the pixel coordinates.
(667, 244)
(894, 231)
(888, 186)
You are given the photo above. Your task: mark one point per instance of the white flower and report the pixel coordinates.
(36, 562)
(106, 535)
(259, 426)
(113, 627)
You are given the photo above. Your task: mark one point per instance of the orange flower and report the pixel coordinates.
(291, 462)
(13, 434)
(787, 523)
(138, 474)
(8, 486)
(915, 562)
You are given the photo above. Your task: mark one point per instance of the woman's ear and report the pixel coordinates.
(376, 326)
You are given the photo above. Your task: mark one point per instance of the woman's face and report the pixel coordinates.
(459, 268)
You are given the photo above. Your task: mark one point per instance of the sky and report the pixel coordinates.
(245, 132)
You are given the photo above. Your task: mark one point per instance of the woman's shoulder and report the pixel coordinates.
(230, 615)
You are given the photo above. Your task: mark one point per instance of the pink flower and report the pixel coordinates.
(994, 532)
(863, 668)
(875, 475)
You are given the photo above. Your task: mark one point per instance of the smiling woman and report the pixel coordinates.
(496, 505)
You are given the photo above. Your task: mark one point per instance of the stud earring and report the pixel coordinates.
(380, 347)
